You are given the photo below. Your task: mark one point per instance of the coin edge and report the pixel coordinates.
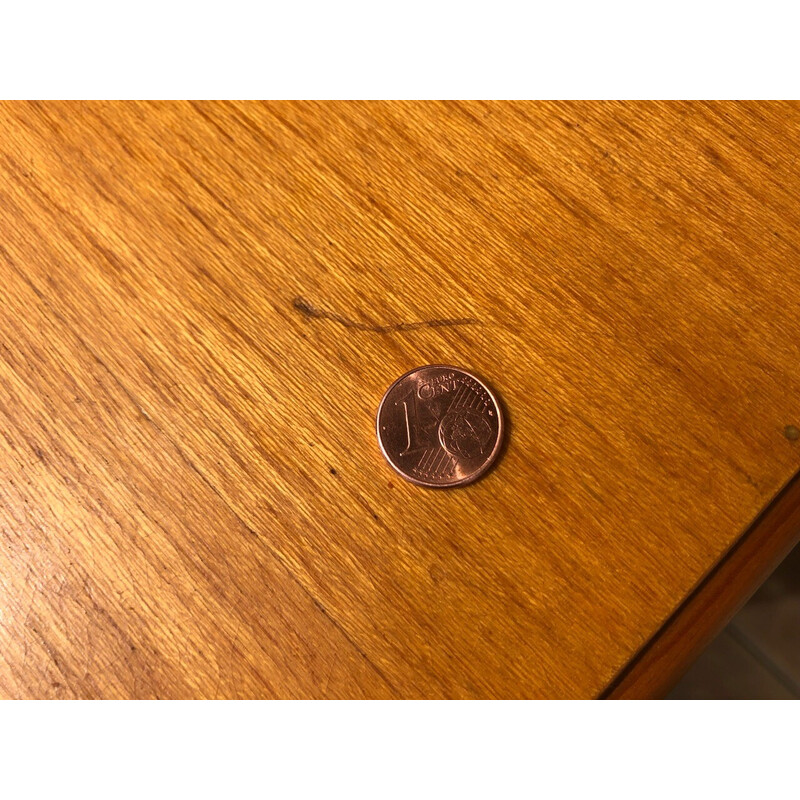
(492, 456)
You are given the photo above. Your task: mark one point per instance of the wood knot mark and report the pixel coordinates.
(307, 309)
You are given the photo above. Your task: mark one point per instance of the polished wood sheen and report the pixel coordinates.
(203, 304)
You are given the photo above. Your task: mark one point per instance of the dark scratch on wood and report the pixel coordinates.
(306, 308)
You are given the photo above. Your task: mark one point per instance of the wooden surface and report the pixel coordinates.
(701, 617)
(757, 655)
(192, 501)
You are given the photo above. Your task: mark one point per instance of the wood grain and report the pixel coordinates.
(194, 504)
(694, 624)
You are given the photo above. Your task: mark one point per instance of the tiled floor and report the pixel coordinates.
(757, 657)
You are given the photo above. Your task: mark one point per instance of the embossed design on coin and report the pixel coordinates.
(439, 426)
(464, 433)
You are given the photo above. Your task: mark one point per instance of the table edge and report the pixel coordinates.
(658, 666)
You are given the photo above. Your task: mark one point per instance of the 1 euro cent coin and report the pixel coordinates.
(440, 426)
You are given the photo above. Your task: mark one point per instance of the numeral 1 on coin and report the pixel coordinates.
(412, 426)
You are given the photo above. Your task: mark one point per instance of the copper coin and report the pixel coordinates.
(439, 426)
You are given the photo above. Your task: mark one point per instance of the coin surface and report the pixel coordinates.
(439, 426)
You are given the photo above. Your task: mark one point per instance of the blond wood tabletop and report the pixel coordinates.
(204, 303)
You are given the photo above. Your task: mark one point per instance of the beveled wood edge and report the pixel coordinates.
(659, 665)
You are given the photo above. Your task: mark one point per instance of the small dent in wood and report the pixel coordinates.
(792, 433)
(436, 573)
(312, 312)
